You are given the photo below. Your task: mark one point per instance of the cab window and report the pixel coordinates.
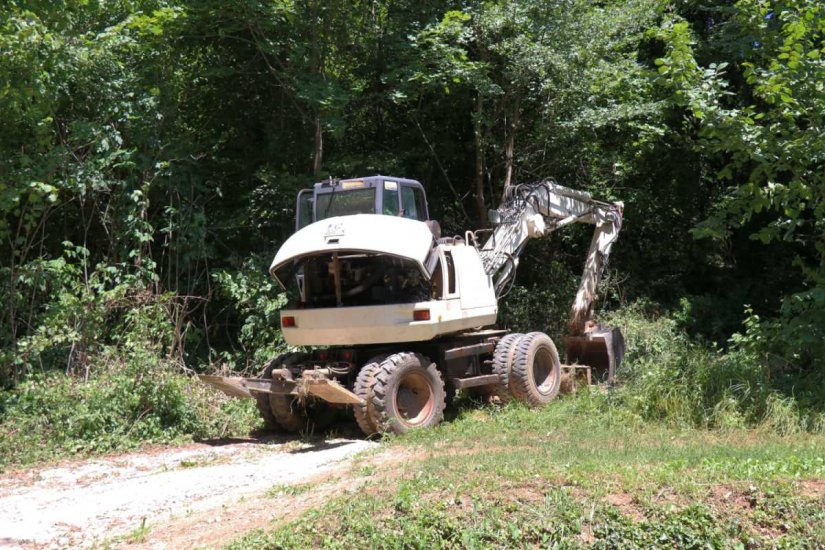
(304, 217)
(345, 203)
(412, 201)
(390, 207)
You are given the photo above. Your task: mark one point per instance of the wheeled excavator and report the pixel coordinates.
(394, 318)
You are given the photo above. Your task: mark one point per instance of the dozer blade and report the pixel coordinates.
(235, 386)
(230, 385)
(332, 392)
(601, 350)
(318, 386)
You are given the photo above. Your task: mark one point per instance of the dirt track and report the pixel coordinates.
(197, 495)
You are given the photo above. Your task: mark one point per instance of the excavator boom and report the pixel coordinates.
(535, 210)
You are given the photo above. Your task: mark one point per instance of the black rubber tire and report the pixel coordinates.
(449, 394)
(535, 374)
(311, 417)
(262, 399)
(408, 375)
(502, 363)
(283, 413)
(364, 415)
(264, 410)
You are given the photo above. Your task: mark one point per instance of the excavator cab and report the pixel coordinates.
(372, 195)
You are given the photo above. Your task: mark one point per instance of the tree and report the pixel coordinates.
(759, 108)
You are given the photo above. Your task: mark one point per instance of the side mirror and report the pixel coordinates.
(494, 216)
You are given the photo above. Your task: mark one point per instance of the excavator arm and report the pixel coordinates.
(535, 210)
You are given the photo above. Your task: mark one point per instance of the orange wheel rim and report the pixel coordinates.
(544, 371)
(414, 399)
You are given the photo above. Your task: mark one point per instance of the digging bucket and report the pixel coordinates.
(602, 350)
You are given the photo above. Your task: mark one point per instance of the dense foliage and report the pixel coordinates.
(151, 151)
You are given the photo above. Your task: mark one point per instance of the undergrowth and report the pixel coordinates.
(103, 370)
(668, 376)
(122, 405)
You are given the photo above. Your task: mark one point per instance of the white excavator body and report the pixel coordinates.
(392, 318)
(348, 248)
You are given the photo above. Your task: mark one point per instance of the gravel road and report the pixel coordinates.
(105, 501)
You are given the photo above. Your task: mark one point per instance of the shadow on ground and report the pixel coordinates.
(343, 431)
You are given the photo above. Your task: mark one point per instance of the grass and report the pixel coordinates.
(202, 461)
(668, 376)
(289, 490)
(580, 473)
(138, 535)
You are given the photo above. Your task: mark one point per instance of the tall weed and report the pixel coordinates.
(82, 312)
(667, 376)
(257, 302)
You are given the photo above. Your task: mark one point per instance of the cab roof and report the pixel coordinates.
(369, 181)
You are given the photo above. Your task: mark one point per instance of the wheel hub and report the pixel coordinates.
(414, 400)
(543, 372)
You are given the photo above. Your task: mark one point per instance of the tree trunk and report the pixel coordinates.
(318, 156)
(318, 69)
(509, 149)
(481, 203)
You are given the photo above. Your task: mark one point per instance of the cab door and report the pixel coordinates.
(413, 203)
(304, 211)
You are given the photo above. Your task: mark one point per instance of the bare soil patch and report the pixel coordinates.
(730, 498)
(812, 488)
(627, 505)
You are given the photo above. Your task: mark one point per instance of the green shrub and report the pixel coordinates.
(81, 314)
(257, 301)
(102, 369)
(121, 406)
